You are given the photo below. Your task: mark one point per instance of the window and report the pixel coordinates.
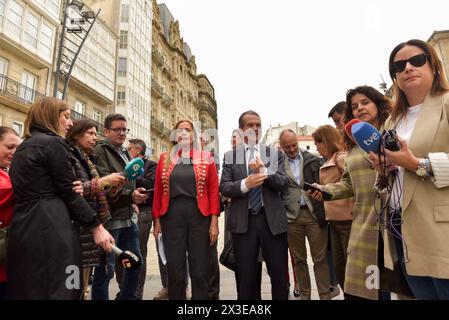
(3, 71)
(3, 66)
(46, 40)
(123, 39)
(121, 94)
(15, 15)
(122, 67)
(27, 90)
(125, 13)
(18, 127)
(80, 107)
(2, 10)
(97, 116)
(54, 6)
(31, 29)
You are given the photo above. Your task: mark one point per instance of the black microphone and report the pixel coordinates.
(128, 259)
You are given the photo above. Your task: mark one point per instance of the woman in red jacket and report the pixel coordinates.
(9, 140)
(186, 206)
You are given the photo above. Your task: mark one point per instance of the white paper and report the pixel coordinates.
(160, 246)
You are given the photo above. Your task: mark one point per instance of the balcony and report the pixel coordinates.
(212, 110)
(157, 88)
(167, 100)
(158, 57)
(19, 94)
(76, 116)
(168, 70)
(160, 127)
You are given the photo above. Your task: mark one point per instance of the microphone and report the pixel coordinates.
(348, 128)
(128, 259)
(367, 137)
(133, 169)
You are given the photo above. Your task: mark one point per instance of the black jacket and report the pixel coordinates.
(109, 161)
(235, 170)
(91, 253)
(43, 245)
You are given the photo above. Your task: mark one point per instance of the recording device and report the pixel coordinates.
(133, 169)
(390, 140)
(128, 259)
(348, 128)
(326, 195)
(369, 138)
(147, 191)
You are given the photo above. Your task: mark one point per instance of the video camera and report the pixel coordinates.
(390, 140)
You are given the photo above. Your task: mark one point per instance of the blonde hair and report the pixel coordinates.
(330, 137)
(196, 145)
(45, 113)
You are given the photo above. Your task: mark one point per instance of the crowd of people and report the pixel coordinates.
(376, 223)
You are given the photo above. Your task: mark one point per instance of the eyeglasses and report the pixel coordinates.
(416, 61)
(118, 130)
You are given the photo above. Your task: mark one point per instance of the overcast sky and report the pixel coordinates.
(292, 60)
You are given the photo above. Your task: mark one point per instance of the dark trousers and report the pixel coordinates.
(259, 281)
(214, 278)
(144, 224)
(2, 291)
(185, 229)
(275, 254)
(339, 235)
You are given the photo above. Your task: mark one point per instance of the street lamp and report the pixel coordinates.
(73, 21)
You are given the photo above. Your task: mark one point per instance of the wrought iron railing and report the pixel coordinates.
(18, 91)
(157, 87)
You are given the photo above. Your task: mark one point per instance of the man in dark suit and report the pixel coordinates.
(253, 177)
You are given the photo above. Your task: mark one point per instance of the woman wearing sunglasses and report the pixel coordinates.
(417, 233)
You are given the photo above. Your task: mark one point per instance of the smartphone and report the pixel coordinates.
(147, 190)
(326, 195)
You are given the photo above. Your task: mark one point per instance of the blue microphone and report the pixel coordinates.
(133, 169)
(367, 137)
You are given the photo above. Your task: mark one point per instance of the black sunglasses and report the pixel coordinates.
(416, 61)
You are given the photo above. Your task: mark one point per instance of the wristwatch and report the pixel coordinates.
(422, 168)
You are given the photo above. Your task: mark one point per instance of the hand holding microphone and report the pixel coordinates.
(369, 139)
(133, 169)
(112, 180)
(128, 259)
(103, 238)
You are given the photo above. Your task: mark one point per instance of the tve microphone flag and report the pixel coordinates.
(133, 169)
(366, 136)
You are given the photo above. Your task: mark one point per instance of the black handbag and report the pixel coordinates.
(227, 257)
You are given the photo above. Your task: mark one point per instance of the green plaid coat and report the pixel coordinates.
(358, 180)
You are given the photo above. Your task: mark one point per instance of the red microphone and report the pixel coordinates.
(348, 128)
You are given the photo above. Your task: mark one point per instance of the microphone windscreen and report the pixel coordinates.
(134, 169)
(348, 128)
(366, 136)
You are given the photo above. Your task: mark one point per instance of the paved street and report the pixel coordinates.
(227, 280)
